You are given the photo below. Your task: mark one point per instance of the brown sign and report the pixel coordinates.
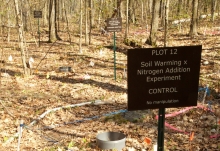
(37, 14)
(114, 24)
(163, 77)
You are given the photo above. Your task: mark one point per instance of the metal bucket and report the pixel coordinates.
(111, 140)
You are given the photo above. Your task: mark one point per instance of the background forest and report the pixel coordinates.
(58, 88)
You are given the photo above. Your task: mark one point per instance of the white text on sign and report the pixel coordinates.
(164, 52)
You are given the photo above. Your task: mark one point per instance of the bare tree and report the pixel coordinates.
(194, 19)
(53, 34)
(80, 28)
(19, 23)
(154, 23)
(45, 15)
(91, 13)
(126, 31)
(86, 23)
(213, 7)
(25, 13)
(9, 22)
(131, 14)
(166, 21)
(119, 8)
(179, 7)
(100, 12)
(91, 22)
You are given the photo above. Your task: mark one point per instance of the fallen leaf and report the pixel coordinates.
(191, 136)
(147, 141)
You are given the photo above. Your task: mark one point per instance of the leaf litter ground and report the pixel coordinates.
(92, 79)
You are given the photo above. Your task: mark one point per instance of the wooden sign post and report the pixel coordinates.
(114, 25)
(38, 14)
(160, 78)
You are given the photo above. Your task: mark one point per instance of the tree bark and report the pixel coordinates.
(205, 6)
(214, 2)
(130, 12)
(194, 19)
(91, 13)
(154, 23)
(86, 23)
(52, 32)
(9, 23)
(80, 28)
(57, 18)
(142, 11)
(19, 23)
(45, 15)
(119, 8)
(126, 31)
(166, 21)
(100, 12)
(53, 35)
(24, 14)
(179, 7)
(150, 6)
(90, 22)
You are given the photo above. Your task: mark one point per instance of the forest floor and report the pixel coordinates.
(45, 100)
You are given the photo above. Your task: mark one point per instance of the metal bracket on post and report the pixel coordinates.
(161, 121)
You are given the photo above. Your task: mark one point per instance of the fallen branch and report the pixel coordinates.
(97, 102)
(6, 109)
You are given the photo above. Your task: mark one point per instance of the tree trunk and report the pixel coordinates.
(80, 28)
(142, 12)
(90, 22)
(205, 6)
(130, 12)
(57, 14)
(194, 19)
(91, 13)
(52, 31)
(24, 14)
(179, 7)
(57, 19)
(119, 8)
(214, 2)
(86, 23)
(45, 15)
(166, 21)
(19, 23)
(53, 35)
(67, 24)
(63, 9)
(162, 12)
(154, 23)
(100, 12)
(150, 6)
(126, 32)
(187, 6)
(9, 23)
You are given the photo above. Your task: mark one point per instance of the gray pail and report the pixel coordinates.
(111, 140)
